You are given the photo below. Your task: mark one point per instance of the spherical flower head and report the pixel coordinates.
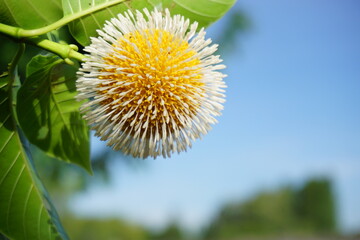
(152, 83)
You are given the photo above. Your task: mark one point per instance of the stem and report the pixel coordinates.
(14, 63)
(25, 33)
(63, 50)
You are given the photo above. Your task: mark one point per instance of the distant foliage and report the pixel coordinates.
(315, 206)
(95, 229)
(287, 211)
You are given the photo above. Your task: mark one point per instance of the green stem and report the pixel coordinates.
(14, 63)
(16, 32)
(63, 50)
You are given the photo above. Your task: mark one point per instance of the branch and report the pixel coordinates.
(63, 50)
(18, 33)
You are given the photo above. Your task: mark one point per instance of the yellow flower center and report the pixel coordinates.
(158, 77)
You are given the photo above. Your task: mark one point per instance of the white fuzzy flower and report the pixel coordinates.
(152, 83)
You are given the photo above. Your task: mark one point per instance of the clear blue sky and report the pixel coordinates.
(292, 112)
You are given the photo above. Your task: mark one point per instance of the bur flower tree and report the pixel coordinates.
(142, 74)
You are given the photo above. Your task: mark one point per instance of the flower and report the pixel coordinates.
(151, 82)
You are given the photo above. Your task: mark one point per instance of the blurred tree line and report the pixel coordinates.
(288, 211)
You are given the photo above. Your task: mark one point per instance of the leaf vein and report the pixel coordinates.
(12, 14)
(11, 166)
(80, 9)
(25, 207)
(59, 109)
(7, 141)
(83, 26)
(39, 220)
(39, 13)
(111, 12)
(95, 20)
(11, 196)
(4, 101)
(4, 121)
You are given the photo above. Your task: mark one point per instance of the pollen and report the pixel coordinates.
(151, 82)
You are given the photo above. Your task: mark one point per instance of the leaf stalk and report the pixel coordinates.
(13, 64)
(63, 50)
(19, 33)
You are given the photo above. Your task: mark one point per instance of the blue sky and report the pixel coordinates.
(292, 112)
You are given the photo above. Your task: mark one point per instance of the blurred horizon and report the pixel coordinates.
(291, 115)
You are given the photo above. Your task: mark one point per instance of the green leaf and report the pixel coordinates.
(30, 14)
(25, 209)
(49, 114)
(4, 79)
(203, 11)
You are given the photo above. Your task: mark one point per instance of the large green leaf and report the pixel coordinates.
(203, 11)
(25, 209)
(30, 14)
(49, 114)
